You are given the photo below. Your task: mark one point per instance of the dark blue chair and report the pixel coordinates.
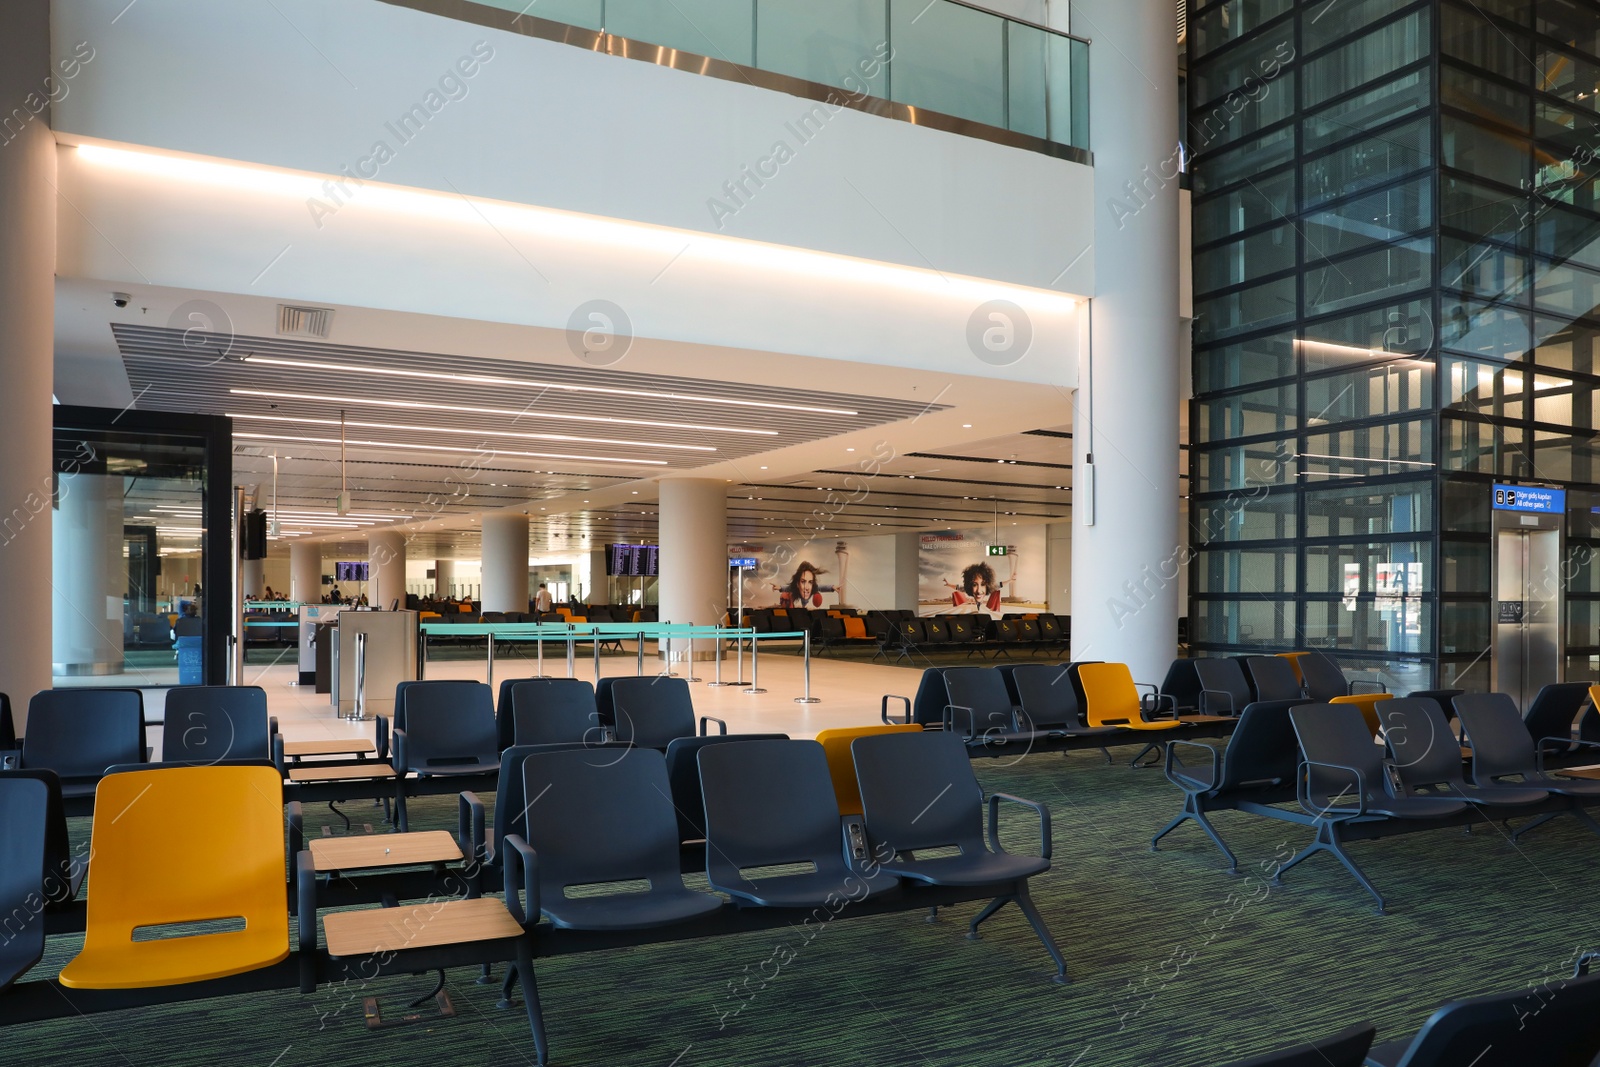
(549, 711)
(1343, 780)
(1273, 678)
(210, 723)
(683, 771)
(607, 821)
(1347, 1048)
(24, 812)
(1552, 714)
(78, 733)
(1427, 756)
(1502, 747)
(918, 793)
(8, 725)
(769, 804)
(651, 711)
(1552, 1026)
(450, 732)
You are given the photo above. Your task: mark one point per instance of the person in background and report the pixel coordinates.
(543, 602)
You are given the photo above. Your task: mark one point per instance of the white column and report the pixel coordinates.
(305, 572)
(597, 589)
(386, 568)
(1058, 567)
(444, 572)
(505, 561)
(907, 580)
(27, 308)
(255, 578)
(1124, 566)
(88, 577)
(694, 554)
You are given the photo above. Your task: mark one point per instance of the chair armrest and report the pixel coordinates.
(1156, 697)
(723, 727)
(1303, 792)
(522, 870)
(1381, 688)
(950, 719)
(469, 826)
(306, 893)
(883, 708)
(400, 767)
(295, 815)
(1042, 810)
(1172, 758)
(382, 737)
(1539, 749)
(278, 758)
(1205, 706)
(272, 726)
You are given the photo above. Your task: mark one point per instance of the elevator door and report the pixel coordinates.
(1527, 623)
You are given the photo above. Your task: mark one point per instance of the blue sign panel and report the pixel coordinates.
(745, 563)
(1530, 498)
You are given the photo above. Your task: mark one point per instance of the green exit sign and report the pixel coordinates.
(999, 550)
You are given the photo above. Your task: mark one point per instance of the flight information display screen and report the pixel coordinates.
(633, 561)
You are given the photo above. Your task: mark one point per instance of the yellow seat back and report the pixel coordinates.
(146, 874)
(1594, 697)
(854, 627)
(1294, 661)
(842, 766)
(1109, 696)
(1368, 703)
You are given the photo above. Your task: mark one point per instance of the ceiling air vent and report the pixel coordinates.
(304, 322)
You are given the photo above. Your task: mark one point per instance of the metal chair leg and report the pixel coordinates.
(1035, 920)
(988, 909)
(530, 996)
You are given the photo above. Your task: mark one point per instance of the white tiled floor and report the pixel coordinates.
(849, 694)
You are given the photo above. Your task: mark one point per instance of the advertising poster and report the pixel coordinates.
(819, 574)
(957, 573)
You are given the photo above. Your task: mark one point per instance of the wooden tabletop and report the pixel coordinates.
(383, 850)
(353, 746)
(376, 930)
(1592, 773)
(346, 773)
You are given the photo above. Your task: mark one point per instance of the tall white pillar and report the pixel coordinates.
(386, 568)
(255, 578)
(505, 561)
(27, 308)
(444, 572)
(88, 576)
(305, 572)
(694, 555)
(907, 579)
(1125, 439)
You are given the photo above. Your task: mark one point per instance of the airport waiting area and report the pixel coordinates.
(794, 533)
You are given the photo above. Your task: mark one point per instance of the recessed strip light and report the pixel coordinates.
(451, 448)
(554, 224)
(532, 383)
(469, 433)
(413, 405)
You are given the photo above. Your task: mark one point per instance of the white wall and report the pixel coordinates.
(315, 86)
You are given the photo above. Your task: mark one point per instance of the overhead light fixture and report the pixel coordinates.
(514, 413)
(533, 383)
(590, 230)
(450, 448)
(468, 432)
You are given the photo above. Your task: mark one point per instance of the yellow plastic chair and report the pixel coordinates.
(145, 875)
(1111, 698)
(1294, 661)
(842, 766)
(1368, 703)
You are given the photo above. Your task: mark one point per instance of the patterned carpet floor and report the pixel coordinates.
(1174, 962)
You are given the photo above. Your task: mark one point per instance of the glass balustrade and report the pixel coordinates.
(941, 56)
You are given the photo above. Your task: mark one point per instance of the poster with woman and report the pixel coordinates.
(957, 574)
(819, 574)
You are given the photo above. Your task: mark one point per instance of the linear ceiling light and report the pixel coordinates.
(530, 383)
(415, 405)
(469, 433)
(552, 224)
(452, 448)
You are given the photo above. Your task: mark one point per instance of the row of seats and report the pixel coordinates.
(1323, 758)
(764, 803)
(977, 635)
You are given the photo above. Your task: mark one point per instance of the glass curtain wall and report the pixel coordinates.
(1397, 273)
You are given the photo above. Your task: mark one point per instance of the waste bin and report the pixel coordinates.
(191, 661)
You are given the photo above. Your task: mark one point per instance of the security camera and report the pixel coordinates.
(120, 299)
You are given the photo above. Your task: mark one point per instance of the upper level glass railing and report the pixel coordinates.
(943, 56)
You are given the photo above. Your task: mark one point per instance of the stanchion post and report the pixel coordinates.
(689, 675)
(572, 654)
(806, 669)
(538, 639)
(491, 659)
(755, 668)
(360, 709)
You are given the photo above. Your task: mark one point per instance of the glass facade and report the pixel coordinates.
(1397, 304)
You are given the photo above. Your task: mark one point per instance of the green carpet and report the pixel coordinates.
(1174, 962)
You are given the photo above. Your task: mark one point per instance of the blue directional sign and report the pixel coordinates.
(744, 563)
(1530, 498)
